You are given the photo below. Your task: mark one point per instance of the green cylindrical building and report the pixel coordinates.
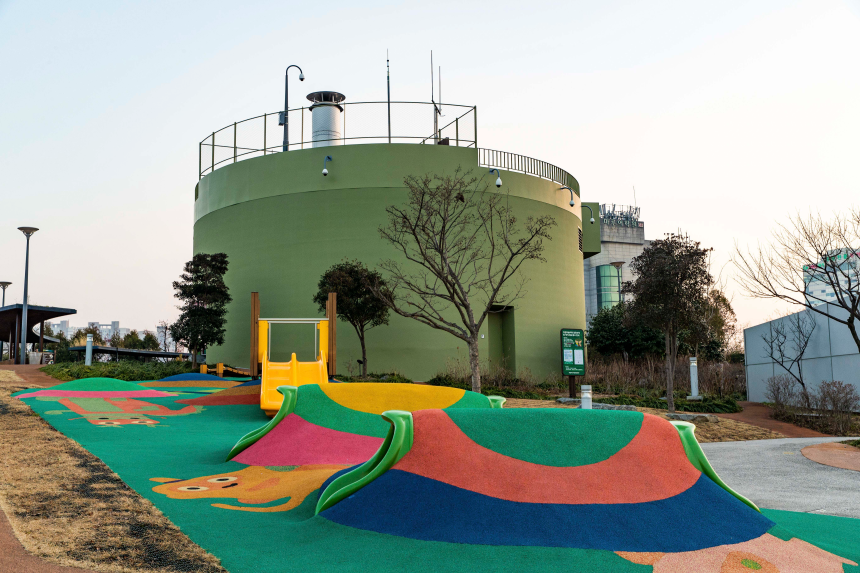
(282, 224)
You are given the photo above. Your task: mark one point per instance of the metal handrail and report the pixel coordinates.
(215, 141)
(486, 157)
(520, 163)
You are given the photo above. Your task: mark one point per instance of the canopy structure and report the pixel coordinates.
(132, 353)
(10, 323)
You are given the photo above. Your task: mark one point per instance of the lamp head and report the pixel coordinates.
(592, 220)
(572, 203)
(301, 77)
(498, 181)
(4, 284)
(325, 172)
(28, 230)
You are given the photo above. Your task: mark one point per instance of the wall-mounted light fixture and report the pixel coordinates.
(327, 159)
(592, 212)
(572, 202)
(499, 178)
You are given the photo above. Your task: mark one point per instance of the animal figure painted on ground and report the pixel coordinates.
(252, 485)
(113, 412)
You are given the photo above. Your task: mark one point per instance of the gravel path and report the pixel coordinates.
(774, 474)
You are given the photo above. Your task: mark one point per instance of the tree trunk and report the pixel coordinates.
(363, 355)
(473, 363)
(193, 358)
(853, 329)
(671, 348)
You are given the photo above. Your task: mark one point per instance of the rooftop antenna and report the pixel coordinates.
(634, 196)
(440, 92)
(436, 111)
(388, 74)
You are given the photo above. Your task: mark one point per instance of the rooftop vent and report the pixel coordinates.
(327, 120)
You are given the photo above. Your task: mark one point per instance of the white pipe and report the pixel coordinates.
(89, 358)
(586, 397)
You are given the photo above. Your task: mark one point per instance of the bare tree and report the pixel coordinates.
(806, 256)
(463, 245)
(786, 342)
(164, 326)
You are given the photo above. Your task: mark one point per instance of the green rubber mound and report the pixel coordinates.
(558, 440)
(99, 385)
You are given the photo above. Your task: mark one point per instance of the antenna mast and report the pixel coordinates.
(388, 74)
(433, 101)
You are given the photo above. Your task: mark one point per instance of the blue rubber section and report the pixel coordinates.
(407, 505)
(190, 377)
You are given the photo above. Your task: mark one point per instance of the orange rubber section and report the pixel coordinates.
(653, 466)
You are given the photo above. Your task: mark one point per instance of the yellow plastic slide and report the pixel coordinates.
(292, 373)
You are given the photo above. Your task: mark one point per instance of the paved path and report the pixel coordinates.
(31, 375)
(774, 474)
(759, 415)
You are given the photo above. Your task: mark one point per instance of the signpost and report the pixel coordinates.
(572, 356)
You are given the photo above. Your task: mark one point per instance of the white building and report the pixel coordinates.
(843, 264)
(622, 237)
(830, 355)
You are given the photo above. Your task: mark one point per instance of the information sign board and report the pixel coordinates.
(572, 352)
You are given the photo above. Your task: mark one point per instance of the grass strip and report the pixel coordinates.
(69, 508)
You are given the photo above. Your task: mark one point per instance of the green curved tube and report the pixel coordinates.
(700, 461)
(497, 401)
(290, 394)
(397, 443)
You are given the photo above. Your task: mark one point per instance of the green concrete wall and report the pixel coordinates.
(591, 231)
(283, 224)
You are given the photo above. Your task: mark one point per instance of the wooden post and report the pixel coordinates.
(255, 335)
(331, 315)
(571, 386)
(42, 336)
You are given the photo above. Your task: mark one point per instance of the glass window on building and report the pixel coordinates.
(607, 286)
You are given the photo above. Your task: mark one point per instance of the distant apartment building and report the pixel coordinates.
(622, 237)
(842, 265)
(107, 330)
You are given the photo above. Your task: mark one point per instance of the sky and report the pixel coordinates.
(727, 117)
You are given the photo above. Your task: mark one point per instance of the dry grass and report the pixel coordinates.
(724, 430)
(69, 508)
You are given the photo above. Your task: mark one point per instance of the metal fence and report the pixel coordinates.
(523, 164)
(361, 122)
(367, 122)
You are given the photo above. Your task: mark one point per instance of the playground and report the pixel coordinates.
(347, 477)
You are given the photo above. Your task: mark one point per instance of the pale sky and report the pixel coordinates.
(726, 116)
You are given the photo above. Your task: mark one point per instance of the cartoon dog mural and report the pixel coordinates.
(252, 485)
(113, 412)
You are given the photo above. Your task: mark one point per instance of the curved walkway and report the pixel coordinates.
(759, 415)
(774, 474)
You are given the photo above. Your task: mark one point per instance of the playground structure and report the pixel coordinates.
(382, 469)
(292, 373)
(342, 423)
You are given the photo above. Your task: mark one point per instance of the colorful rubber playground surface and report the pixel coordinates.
(445, 481)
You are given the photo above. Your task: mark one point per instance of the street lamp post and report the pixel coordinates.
(4, 285)
(287, 104)
(28, 232)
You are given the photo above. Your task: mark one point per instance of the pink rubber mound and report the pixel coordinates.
(296, 442)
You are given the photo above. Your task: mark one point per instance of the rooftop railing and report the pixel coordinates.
(365, 122)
